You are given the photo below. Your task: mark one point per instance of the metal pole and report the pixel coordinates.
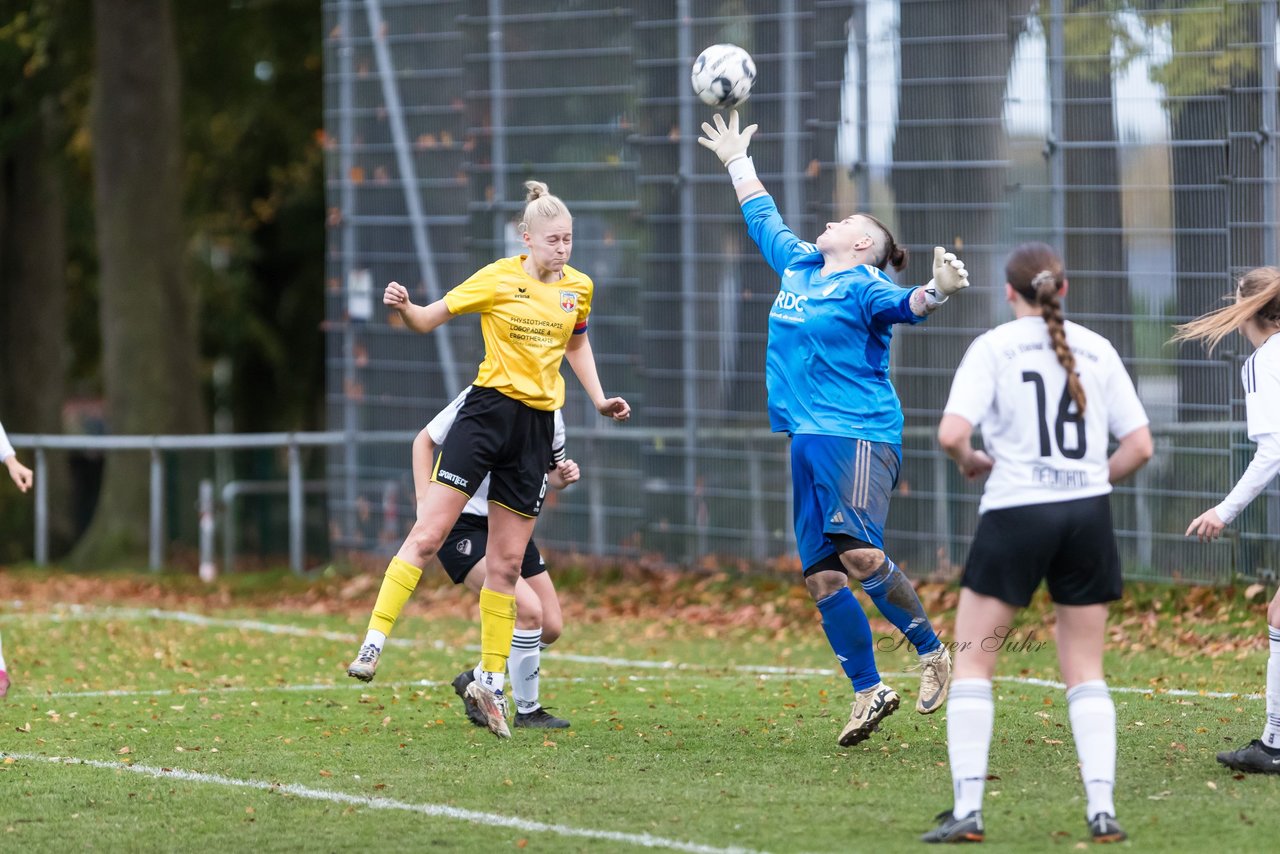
(297, 512)
(1269, 130)
(1057, 123)
(157, 511)
(941, 518)
(792, 211)
(346, 160)
(595, 498)
(862, 175)
(498, 124)
(229, 493)
(755, 482)
(409, 182)
(208, 567)
(42, 508)
(688, 274)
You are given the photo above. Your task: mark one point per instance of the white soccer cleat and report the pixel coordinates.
(366, 663)
(870, 707)
(492, 706)
(935, 681)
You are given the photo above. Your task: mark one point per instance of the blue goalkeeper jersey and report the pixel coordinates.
(827, 368)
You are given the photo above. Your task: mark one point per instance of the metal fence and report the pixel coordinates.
(1138, 137)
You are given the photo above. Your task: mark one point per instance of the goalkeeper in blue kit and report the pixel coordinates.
(827, 375)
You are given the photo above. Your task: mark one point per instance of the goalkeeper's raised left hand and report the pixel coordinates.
(949, 274)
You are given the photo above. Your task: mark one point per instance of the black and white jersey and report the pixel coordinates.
(1260, 376)
(438, 428)
(1011, 385)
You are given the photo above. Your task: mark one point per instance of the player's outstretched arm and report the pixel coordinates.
(1262, 469)
(730, 145)
(949, 276)
(419, 318)
(583, 361)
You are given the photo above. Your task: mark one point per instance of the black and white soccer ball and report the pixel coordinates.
(723, 75)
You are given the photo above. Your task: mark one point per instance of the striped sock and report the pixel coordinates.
(893, 594)
(524, 666)
(1093, 724)
(1271, 733)
(971, 713)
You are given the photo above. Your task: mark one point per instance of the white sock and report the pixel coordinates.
(376, 638)
(526, 656)
(1270, 734)
(970, 715)
(2, 667)
(490, 680)
(1093, 724)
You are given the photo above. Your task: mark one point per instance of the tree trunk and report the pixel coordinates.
(33, 294)
(150, 363)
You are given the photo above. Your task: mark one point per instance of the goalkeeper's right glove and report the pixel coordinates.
(949, 276)
(728, 143)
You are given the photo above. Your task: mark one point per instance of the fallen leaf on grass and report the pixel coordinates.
(124, 751)
(24, 728)
(1212, 785)
(326, 773)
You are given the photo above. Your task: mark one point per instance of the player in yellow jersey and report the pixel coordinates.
(533, 314)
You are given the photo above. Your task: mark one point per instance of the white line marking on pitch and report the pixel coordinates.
(36, 693)
(79, 612)
(434, 810)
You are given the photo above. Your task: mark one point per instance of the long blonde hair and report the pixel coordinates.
(1035, 271)
(1257, 295)
(540, 204)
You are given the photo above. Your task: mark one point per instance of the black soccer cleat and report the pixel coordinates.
(951, 829)
(1254, 758)
(540, 719)
(460, 683)
(1105, 828)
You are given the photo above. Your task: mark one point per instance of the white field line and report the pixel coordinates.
(79, 612)
(316, 687)
(433, 810)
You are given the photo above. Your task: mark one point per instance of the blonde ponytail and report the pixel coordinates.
(1257, 294)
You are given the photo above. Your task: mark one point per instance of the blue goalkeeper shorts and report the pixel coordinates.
(840, 486)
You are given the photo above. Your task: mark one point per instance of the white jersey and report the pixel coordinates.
(6, 450)
(1260, 376)
(438, 428)
(1011, 385)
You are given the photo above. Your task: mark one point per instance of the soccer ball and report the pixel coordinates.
(723, 75)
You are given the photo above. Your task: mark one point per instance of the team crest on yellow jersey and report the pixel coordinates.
(569, 301)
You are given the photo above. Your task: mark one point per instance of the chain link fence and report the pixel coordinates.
(1138, 137)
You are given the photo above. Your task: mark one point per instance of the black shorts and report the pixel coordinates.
(466, 544)
(511, 443)
(1071, 544)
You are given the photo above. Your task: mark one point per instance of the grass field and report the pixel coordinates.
(188, 722)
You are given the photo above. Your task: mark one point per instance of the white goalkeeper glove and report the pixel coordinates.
(727, 141)
(949, 276)
(730, 145)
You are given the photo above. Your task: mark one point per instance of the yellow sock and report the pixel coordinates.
(397, 586)
(497, 624)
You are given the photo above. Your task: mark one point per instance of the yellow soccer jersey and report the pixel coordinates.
(526, 325)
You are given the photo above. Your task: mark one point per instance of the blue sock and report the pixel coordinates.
(849, 634)
(897, 600)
